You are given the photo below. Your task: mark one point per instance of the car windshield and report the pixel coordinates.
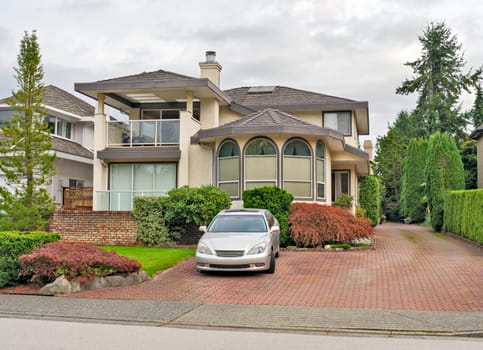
(238, 223)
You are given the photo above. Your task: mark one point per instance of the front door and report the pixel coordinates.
(340, 183)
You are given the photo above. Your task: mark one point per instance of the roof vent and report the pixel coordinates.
(211, 56)
(261, 90)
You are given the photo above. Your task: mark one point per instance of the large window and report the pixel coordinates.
(320, 167)
(339, 121)
(5, 115)
(60, 127)
(297, 169)
(260, 164)
(139, 179)
(228, 178)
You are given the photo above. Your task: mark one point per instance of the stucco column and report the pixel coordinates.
(99, 176)
(189, 102)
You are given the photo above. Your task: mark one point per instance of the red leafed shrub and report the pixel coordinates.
(312, 225)
(52, 260)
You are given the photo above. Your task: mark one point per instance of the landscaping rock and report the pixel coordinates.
(63, 286)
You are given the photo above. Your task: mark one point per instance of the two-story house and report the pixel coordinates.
(183, 130)
(71, 122)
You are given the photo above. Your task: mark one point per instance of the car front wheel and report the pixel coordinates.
(271, 269)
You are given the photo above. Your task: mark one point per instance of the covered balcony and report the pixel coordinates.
(143, 133)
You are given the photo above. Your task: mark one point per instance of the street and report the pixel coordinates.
(21, 334)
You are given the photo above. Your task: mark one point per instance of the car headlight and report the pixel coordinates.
(203, 249)
(258, 249)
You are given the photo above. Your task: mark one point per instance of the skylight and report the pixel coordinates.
(261, 89)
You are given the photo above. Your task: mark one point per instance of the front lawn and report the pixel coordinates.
(153, 259)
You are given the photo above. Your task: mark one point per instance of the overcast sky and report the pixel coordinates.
(347, 48)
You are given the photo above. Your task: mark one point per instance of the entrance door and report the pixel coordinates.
(340, 183)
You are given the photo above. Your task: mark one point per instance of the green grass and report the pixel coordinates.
(153, 259)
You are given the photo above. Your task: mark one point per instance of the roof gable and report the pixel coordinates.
(159, 75)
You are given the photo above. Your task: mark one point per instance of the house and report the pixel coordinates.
(477, 135)
(71, 122)
(183, 130)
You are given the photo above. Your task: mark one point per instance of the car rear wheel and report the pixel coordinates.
(271, 269)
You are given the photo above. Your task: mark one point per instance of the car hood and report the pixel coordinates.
(233, 241)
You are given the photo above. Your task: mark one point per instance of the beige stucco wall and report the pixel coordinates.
(100, 173)
(68, 169)
(188, 127)
(209, 113)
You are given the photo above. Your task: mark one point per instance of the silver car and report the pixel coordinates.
(239, 240)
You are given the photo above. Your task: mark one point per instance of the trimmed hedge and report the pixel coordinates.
(313, 225)
(463, 214)
(370, 198)
(12, 245)
(152, 230)
(274, 199)
(72, 260)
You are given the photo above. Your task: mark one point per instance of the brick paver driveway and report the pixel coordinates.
(410, 269)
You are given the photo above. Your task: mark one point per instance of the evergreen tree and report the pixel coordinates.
(444, 171)
(470, 163)
(391, 150)
(26, 159)
(476, 113)
(413, 196)
(439, 81)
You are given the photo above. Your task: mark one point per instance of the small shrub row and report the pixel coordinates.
(463, 214)
(12, 245)
(369, 198)
(274, 199)
(85, 260)
(313, 225)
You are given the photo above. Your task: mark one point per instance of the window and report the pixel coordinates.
(76, 183)
(139, 179)
(260, 164)
(297, 169)
(148, 114)
(340, 183)
(320, 167)
(59, 127)
(339, 121)
(5, 115)
(228, 178)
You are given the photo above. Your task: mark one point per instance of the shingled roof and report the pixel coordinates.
(60, 99)
(285, 98)
(70, 147)
(269, 121)
(477, 132)
(159, 75)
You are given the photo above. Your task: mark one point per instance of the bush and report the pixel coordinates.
(313, 225)
(185, 208)
(72, 260)
(148, 212)
(444, 171)
(14, 244)
(344, 201)
(274, 199)
(369, 198)
(463, 215)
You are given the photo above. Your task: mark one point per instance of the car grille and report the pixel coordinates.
(228, 267)
(230, 253)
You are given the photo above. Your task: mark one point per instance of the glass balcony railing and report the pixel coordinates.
(143, 133)
(122, 200)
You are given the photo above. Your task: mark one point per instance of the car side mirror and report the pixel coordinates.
(202, 229)
(274, 228)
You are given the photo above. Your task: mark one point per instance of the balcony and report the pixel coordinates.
(121, 200)
(143, 133)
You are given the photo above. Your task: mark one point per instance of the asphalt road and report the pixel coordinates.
(20, 334)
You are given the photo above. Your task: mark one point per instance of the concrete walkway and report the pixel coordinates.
(243, 317)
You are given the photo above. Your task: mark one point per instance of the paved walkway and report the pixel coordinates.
(414, 282)
(410, 269)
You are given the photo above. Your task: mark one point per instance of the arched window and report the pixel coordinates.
(260, 164)
(320, 166)
(297, 169)
(228, 177)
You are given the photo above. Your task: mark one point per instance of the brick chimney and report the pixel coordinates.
(210, 68)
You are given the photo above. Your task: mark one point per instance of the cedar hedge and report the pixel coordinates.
(313, 225)
(12, 245)
(463, 214)
(72, 260)
(370, 199)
